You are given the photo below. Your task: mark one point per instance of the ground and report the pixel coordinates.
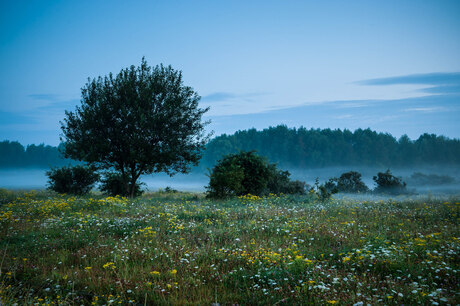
(181, 248)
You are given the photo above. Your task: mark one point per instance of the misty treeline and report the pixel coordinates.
(15, 155)
(298, 148)
(316, 148)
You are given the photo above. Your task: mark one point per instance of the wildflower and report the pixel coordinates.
(332, 302)
(173, 272)
(155, 273)
(88, 268)
(109, 265)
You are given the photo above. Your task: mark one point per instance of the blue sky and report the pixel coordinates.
(392, 66)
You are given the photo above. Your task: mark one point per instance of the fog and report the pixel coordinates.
(36, 179)
(196, 182)
(323, 174)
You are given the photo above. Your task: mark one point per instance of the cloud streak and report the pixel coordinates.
(44, 97)
(226, 96)
(437, 78)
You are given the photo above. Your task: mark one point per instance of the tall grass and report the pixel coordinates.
(183, 249)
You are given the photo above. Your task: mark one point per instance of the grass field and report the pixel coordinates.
(184, 249)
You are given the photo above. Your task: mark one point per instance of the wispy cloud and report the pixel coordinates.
(60, 105)
(439, 82)
(218, 96)
(449, 89)
(226, 96)
(425, 109)
(438, 78)
(44, 97)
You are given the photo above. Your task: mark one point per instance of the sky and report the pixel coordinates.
(392, 66)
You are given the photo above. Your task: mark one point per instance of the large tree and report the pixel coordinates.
(141, 121)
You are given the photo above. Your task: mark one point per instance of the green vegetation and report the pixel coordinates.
(306, 148)
(348, 182)
(249, 173)
(177, 248)
(15, 155)
(113, 184)
(76, 180)
(388, 183)
(303, 148)
(142, 121)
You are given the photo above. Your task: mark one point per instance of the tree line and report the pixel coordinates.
(315, 148)
(290, 148)
(15, 155)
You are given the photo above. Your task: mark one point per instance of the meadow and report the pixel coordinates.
(180, 248)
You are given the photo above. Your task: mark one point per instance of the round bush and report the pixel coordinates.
(76, 180)
(248, 173)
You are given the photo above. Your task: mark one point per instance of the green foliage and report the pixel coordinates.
(351, 182)
(14, 154)
(141, 121)
(280, 183)
(248, 173)
(314, 148)
(291, 148)
(113, 184)
(326, 190)
(170, 249)
(388, 183)
(76, 180)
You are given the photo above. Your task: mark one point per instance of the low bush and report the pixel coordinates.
(279, 182)
(248, 173)
(326, 190)
(351, 182)
(388, 183)
(77, 180)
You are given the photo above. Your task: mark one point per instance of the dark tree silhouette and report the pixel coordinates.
(141, 121)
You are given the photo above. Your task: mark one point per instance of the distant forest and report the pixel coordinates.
(15, 155)
(315, 148)
(289, 147)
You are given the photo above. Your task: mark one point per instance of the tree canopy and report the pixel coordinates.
(141, 121)
(303, 148)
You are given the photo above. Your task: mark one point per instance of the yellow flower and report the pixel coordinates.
(173, 272)
(332, 302)
(88, 268)
(155, 273)
(109, 265)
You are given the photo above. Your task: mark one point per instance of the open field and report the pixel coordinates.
(183, 249)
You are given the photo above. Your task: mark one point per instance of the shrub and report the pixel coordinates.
(248, 173)
(351, 182)
(113, 184)
(388, 183)
(326, 190)
(76, 180)
(279, 182)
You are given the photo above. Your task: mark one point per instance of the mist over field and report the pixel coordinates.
(26, 178)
